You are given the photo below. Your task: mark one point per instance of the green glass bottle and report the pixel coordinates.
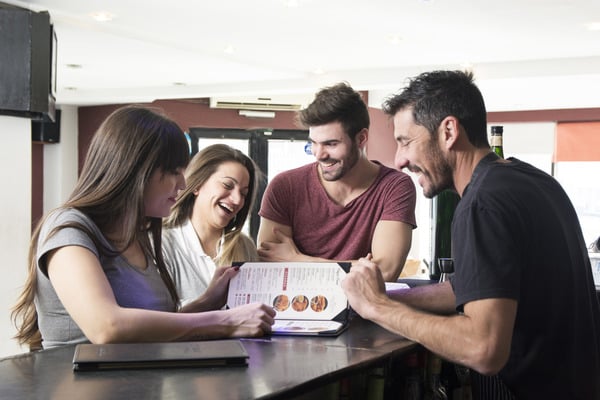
(442, 212)
(496, 140)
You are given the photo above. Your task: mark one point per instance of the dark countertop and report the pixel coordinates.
(279, 368)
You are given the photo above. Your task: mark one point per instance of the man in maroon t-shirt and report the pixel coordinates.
(343, 206)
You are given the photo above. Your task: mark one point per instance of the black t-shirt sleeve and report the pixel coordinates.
(486, 258)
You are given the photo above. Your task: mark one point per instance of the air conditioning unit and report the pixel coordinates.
(255, 103)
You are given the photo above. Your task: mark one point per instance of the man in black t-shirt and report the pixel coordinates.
(521, 305)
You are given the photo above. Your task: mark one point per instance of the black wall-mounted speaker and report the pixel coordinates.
(28, 63)
(45, 130)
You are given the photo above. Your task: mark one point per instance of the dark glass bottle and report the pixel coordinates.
(414, 379)
(435, 389)
(443, 206)
(496, 140)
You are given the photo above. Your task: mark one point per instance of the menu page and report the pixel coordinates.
(296, 290)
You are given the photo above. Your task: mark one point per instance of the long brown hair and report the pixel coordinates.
(202, 166)
(129, 146)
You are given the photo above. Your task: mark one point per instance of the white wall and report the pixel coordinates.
(15, 214)
(580, 181)
(61, 161)
(60, 174)
(530, 142)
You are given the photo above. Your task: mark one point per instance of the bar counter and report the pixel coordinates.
(279, 368)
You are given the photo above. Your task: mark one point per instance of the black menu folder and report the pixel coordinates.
(213, 353)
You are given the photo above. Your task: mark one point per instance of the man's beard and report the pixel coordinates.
(440, 168)
(347, 164)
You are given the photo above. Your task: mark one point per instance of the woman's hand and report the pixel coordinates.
(250, 320)
(215, 296)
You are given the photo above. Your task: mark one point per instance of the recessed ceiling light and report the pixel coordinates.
(467, 66)
(593, 26)
(394, 39)
(318, 71)
(229, 49)
(102, 16)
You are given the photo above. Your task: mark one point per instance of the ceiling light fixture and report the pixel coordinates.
(102, 16)
(257, 114)
(467, 66)
(593, 26)
(229, 49)
(394, 39)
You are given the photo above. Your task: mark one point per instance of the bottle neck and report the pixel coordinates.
(496, 141)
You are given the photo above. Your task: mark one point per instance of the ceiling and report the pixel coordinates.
(526, 54)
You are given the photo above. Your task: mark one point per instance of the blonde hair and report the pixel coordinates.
(236, 246)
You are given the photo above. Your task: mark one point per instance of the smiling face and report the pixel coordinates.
(333, 149)
(420, 152)
(161, 191)
(220, 198)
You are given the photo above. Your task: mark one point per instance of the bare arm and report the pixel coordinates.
(436, 298)
(389, 247)
(479, 338)
(81, 285)
(275, 243)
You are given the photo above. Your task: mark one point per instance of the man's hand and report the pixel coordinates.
(282, 248)
(364, 286)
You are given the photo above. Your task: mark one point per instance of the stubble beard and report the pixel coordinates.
(347, 164)
(442, 169)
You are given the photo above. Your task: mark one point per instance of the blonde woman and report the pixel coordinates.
(95, 274)
(204, 230)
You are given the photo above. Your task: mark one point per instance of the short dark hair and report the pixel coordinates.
(435, 95)
(338, 103)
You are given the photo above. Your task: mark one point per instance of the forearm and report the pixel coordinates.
(446, 336)
(307, 258)
(135, 325)
(435, 298)
(390, 269)
(201, 304)
(389, 248)
(479, 338)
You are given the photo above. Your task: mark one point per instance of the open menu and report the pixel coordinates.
(307, 296)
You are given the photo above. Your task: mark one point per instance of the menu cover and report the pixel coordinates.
(307, 296)
(211, 353)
